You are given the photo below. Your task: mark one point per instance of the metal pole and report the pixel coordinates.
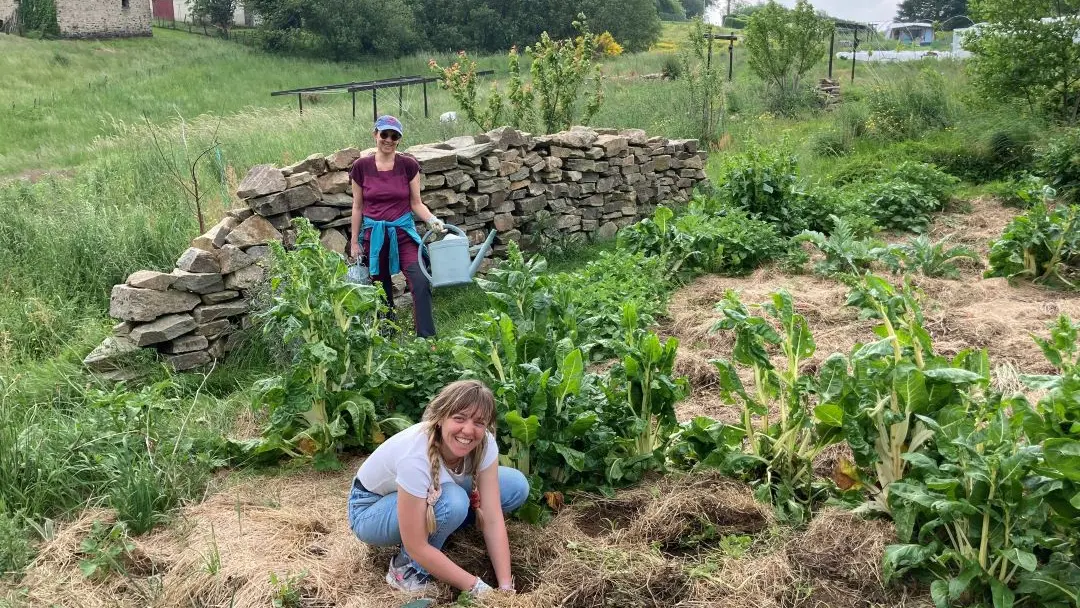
(708, 62)
(399, 102)
(425, 100)
(374, 107)
(730, 59)
(832, 50)
(300, 98)
(354, 105)
(854, 49)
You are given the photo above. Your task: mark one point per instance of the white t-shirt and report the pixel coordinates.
(402, 460)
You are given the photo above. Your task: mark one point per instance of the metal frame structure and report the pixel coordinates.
(369, 85)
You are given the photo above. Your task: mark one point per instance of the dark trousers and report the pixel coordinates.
(419, 287)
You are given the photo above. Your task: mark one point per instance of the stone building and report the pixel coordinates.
(94, 18)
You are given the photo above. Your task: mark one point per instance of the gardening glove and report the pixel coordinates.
(480, 588)
(436, 224)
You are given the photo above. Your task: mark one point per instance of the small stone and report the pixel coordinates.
(635, 137)
(340, 200)
(290, 200)
(122, 329)
(198, 282)
(432, 181)
(504, 222)
(133, 304)
(108, 355)
(163, 329)
(185, 344)
(150, 279)
(485, 186)
(612, 144)
(507, 137)
(334, 182)
(206, 313)
(214, 329)
(334, 241)
(187, 361)
(232, 258)
(321, 215)
(198, 260)
(342, 160)
(574, 138)
(433, 160)
(314, 164)
(253, 231)
(240, 214)
(260, 181)
(246, 278)
(220, 296)
(443, 197)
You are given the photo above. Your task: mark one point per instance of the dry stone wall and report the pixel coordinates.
(582, 184)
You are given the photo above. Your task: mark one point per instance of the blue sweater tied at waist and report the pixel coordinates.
(379, 229)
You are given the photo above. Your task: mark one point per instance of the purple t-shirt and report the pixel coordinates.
(386, 198)
(386, 193)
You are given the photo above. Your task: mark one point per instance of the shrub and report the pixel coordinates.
(832, 142)
(899, 204)
(784, 44)
(1042, 245)
(932, 180)
(908, 108)
(1059, 163)
(763, 183)
(1021, 193)
(673, 67)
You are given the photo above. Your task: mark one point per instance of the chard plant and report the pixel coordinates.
(331, 327)
(1043, 246)
(781, 449)
(928, 258)
(844, 252)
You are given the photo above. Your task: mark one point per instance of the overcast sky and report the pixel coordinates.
(855, 10)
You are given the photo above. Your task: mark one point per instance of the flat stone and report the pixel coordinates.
(289, 200)
(163, 329)
(444, 197)
(260, 181)
(504, 222)
(108, 355)
(577, 137)
(334, 182)
(198, 282)
(260, 253)
(338, 199)
(253, 231)
(129, 303)
(485, 186)
(433, 160)
(198, 260)
(343, 159)
(240, 213)
(636, 137)
(232, 258)
(461, 141)
(473, 155)
(122, 329)
(246, 278)
(206, 313)
(532, 204)
(612, 144)
(334, 241)
(214, 238)
(185, 344)
(220, 296)
(565, 222)
(476, 202)
(437, 180)
(338, 223)
(298, 179)
(579, 164)
(187, 361)
(214, 329)
(151, 279)
(321, 215)
(507, 137)
(314, 164)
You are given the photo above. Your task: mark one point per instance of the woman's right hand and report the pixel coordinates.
(354, 250)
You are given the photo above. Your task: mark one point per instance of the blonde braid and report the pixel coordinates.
(435, 491)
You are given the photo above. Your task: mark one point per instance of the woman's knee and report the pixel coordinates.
(452, 507)
(513, 488)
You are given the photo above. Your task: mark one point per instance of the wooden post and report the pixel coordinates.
(854, 49)
(399, 101)
(300, 98)
(730, 59)
(374, 105)
(425, 100)
(832, 50)
(354, 105)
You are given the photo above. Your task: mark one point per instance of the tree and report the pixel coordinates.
(694, 8)
(940, 11)
(783, 44)
(635, 24)
(218, 13)
(1028, 50)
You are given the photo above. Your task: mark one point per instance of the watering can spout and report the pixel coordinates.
(485, 247)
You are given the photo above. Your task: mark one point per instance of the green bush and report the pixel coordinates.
(899, 204)
(1021, 193)
(929, 178)
(832, 142)
(909, 108)
(764, 184)
(1059, 163)
(1042, 245)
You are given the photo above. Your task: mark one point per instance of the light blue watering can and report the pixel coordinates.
(449, 257)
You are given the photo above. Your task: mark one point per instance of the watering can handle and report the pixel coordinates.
(423, 246)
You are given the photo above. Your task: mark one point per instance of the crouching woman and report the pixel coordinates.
(428, 481)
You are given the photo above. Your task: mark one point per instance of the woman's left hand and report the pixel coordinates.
(436, 224)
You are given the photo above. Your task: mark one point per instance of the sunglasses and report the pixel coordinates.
(389, 134)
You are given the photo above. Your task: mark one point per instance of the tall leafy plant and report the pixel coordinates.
(783, 44)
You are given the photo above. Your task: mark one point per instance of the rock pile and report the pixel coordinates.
(580, 184)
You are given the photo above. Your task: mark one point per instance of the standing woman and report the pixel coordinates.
(418, 487)
(386, 198)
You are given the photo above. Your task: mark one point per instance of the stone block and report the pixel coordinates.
(186, 361)
(206, 313)
(612, 145)
(568, 222)
(162, 329)
(288, 200)
(433, 160)
(476, 202)
(636, 137)
(520, 184)
(473, 155)
(589, 225)
(444, 197)
(185, 344)
(260, 181)
(232, 258)
(314, 164)
(532, 204)
(220, 296)
(246, 278)
(320, 215)
(504, 222)
(334, 240)
(580, 164)
(214, 329)
(334, 182)
(594, 153)
(198, 282)
(485, 186)
(298, 179)
(574, 138)
(151, 279)
(437, 180)
(240, 213)
(589, 178)
(109, 354)
(573, 176)
(342, 160)
(255, 230)
(507, 137)
(198, 261)
(129, 303)
(509, 167)
(607, 230)
(282, 222)
(340, 200)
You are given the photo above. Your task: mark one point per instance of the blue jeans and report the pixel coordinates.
(373, 518)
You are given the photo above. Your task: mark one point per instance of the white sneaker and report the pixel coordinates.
(409, 578)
